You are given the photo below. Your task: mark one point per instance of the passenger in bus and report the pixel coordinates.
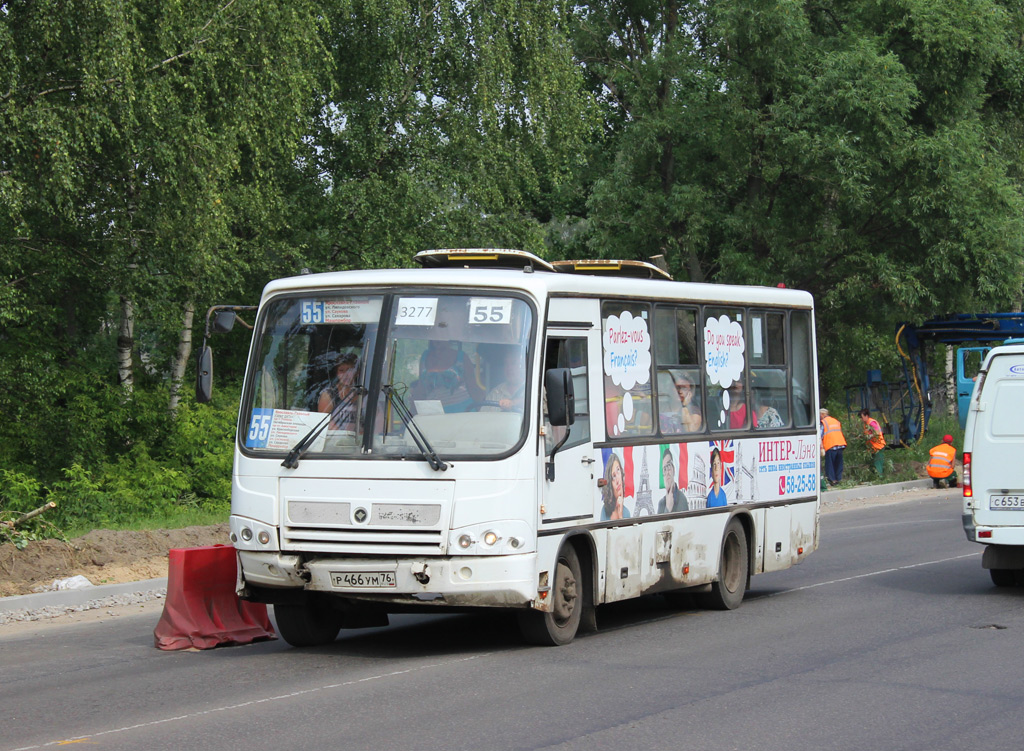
(443, 377)
(716, 495)
(675, 498)
(339, 397)
(613, 492)
(765, 415)
(509, 395)
(690, 413)
(738, 406)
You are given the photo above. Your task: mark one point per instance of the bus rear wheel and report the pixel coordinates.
(560, 624)
(733, 570)
(307, 623)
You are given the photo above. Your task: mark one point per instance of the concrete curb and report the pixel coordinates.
(72, 599)
(872, 491)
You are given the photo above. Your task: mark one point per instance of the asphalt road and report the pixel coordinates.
(890, 636)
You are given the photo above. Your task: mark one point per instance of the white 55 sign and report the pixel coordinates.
(484, 310)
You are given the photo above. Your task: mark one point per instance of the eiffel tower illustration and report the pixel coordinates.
(644, 505)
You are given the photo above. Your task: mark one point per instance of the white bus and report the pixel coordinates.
(496, 431)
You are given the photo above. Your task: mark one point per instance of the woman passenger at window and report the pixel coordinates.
(738, 406)
(765, 415)
(339, 398)
(689, 414)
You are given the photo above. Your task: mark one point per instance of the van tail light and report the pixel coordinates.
(968, 492)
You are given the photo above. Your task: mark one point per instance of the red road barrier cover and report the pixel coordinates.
(202, 610)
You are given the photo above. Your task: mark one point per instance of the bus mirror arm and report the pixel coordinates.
(222, 321)
(550, 465)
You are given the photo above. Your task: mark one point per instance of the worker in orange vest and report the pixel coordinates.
(875, 439)
(833, 442)
(942, 463)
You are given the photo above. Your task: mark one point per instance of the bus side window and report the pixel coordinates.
(678, 382)
(768, 389)
(628, 363)
(800, 323)
(726, 357)
(569, 353)
(771, 405)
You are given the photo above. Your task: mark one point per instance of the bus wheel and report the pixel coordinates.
(307, 623)
(559, 626)
(727, 592)
(1003, 577)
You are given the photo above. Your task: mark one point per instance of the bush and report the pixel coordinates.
(142, 465)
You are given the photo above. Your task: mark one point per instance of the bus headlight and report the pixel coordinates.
(505, 537)
(250, 534)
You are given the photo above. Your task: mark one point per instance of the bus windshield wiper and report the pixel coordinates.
(417, 435)
(299, 449)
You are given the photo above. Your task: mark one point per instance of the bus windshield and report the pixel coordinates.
(455, 365)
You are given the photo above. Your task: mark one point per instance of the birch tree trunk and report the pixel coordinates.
(125, 345)
(181, 357)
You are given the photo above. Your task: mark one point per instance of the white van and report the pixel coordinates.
(993, 464)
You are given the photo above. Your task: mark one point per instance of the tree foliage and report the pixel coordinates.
(142, 151)
(162, 157)
(867, 152)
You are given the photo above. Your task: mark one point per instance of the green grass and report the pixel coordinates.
(177, 519)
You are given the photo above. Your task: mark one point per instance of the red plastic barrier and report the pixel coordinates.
(202, 609)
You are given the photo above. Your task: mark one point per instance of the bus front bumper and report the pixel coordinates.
(481, 581)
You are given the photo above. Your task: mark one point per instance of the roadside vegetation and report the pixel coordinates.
(156, 159)
(902, 463)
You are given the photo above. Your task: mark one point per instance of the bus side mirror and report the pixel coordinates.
(561, 396)
(224, 321)
(204, 375)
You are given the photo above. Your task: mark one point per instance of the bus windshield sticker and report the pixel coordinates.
(365, 310)
(627, 350)
(280, 429)
(723, 350)
(490, 310)
(416, 311)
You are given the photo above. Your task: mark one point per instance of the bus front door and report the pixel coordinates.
(569, 497)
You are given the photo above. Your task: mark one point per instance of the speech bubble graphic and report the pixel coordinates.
(627, 350)
(723, 350)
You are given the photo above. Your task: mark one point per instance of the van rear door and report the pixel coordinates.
(997, 458)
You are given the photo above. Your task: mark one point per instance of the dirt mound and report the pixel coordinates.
(102, 556)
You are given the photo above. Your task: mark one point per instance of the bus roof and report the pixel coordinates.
(544, 284)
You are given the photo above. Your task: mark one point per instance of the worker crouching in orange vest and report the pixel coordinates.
(942, 463)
